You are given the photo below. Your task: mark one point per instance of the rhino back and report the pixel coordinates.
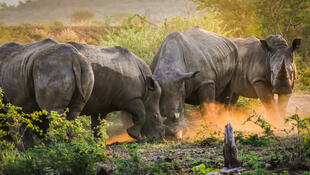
(216, 56)
(16, 63)
(117, 77)
(198, 50)
(251, 66)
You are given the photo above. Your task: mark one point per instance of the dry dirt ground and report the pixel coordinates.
(179, 157)
(298, 102)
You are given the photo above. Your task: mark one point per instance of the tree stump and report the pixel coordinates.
(229, 149)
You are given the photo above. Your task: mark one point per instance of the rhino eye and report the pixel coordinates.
(155, 116)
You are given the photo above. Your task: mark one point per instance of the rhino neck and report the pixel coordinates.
(267, 67)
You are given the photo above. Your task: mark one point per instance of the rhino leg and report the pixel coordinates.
(282, 103)
(266, 97)
(54, 86)
(136, 109)
(206, 94)
(233, 99)
(76, 106)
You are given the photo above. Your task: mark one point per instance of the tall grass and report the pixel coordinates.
(143, 38)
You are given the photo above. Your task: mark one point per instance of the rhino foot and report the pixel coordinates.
(134, 132)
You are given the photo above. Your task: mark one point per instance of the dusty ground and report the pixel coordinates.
(300, 101)
(180, 156)
(117, 131)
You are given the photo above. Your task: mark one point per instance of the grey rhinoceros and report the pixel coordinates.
(123, 82)
(45, 75)
(193, 67)
(265, 67)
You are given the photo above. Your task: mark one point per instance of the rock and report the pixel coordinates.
(213, 173)
(268, 166)
(234, 171)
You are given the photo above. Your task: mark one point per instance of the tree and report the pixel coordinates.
(261, 17)
(238, 15)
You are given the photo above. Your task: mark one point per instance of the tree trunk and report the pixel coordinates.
(229, 149)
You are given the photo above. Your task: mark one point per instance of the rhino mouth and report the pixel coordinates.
(282, 91)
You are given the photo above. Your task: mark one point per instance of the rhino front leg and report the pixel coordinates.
(233, 99)
(266, 97)
(206, 94)
(282, 103)
(136, 109)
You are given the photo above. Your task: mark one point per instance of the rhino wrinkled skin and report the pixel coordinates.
(265, 67)
(123, 82)
(193, 67)
(45, 75)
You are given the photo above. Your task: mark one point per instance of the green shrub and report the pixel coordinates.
(201, 169)
(301, 144)
(58, 153)
(131, 165)
(252, 159)
(252, 139)
(303, 79)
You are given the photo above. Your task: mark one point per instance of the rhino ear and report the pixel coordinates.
(150, 83)
(186, 76)
(296, 44)
(265, 45)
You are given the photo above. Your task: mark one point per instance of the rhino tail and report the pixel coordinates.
(84, 77)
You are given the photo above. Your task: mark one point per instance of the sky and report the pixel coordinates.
(51, 10)
(11, 2)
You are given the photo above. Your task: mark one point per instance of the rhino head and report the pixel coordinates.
(153, 126)
(172, 100)
(280, 58)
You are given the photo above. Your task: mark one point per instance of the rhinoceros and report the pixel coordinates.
(45, 75)
(265, 67)
(193, 67)
(123, 82)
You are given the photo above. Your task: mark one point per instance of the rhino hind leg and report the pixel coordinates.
(76, 106)
(233, 99)
(136, 108)
(206, 94)
(54, 86)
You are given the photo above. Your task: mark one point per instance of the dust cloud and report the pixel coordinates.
(214, 122)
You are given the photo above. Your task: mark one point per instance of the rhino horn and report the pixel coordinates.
(282, 72)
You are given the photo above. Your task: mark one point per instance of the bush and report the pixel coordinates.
(58, 153)
(303, 80)
(201, 169)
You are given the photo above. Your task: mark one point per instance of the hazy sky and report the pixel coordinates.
(11, 2)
